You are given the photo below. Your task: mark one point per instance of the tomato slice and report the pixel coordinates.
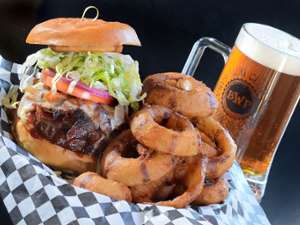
(80, 90)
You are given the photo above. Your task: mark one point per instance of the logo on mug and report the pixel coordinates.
(239, 98)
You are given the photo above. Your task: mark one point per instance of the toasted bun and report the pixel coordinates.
(75, 34)
(54, 155)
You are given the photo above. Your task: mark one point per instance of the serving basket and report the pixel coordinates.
(33, 194)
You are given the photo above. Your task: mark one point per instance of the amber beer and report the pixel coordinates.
(258, 91)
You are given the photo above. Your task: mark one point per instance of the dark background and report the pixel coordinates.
(168, 30)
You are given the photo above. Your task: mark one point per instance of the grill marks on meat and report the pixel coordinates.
(71, 129)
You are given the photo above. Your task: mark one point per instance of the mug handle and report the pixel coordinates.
(198, 49)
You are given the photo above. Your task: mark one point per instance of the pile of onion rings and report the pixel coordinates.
(174, 152)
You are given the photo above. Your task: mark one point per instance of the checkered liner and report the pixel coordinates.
(33, 194)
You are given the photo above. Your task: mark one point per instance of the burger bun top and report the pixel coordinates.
(77, 35)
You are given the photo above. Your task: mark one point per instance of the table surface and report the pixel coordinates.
(168, 31)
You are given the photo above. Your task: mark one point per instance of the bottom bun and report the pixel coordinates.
(54, 155)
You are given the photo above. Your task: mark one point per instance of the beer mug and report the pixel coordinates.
(257, 91)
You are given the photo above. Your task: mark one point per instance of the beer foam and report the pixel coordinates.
(270, 47)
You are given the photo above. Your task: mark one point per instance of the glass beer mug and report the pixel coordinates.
(257, 91)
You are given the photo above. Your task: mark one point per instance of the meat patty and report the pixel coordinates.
(72, 123)
(71, 129)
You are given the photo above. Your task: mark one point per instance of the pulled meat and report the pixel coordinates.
(72, 129)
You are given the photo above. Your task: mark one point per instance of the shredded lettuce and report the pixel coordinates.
(9, 100)
(114, 72)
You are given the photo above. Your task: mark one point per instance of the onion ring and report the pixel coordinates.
(205, 138)
(154, 190)
(218, 165)
(194, 181)
(207, 146)
(117, 163)
(171, 184)
(181, 93)
(94, 182)
(213, 193)
(179, 137)
(166, 186)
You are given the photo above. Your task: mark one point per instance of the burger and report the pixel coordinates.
(76, 91)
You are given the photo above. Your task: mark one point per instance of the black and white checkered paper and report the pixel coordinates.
(33, 194)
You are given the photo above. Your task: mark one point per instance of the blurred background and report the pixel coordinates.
(167, 30)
